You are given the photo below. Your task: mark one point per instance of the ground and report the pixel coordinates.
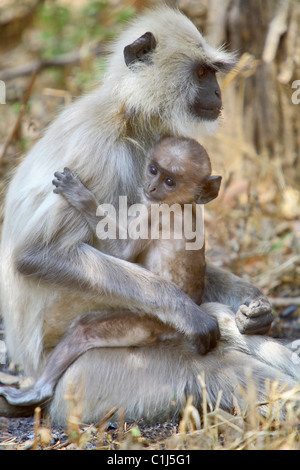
(252, 229)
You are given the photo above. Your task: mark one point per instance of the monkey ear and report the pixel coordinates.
(209, 189)
(140, 49)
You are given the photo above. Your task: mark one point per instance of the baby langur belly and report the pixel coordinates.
(171, 260)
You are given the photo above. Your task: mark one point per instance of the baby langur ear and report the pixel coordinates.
(140, 50)
(209, 189)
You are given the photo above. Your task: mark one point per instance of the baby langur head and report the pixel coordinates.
(179, 171)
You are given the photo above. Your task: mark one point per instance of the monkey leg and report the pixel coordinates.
(265, 349)
(252, 309)
(78, 196)
(122, 329)
(153, 382)
(152, 376)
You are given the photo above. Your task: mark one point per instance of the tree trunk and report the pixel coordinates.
(258, 103)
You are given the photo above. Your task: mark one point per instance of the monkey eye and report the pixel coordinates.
(153, 170)
(169, 182)
(201, 72)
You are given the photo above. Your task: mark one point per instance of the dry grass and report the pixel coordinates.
(276, 428)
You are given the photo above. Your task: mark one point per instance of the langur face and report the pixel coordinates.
(179, 171)
(207, 102)
(173, 76)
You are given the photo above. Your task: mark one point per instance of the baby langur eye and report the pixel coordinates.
(201, 73)
(169, 182)
(153, 170)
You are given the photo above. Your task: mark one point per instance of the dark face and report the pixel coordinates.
(208, 103)
(162, 186)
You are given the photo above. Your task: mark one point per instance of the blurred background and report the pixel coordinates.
(52, 51)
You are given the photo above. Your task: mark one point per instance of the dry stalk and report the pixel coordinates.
(190, 420)
(37, 418)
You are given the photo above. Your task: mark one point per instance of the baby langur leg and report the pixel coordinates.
(253, 311)
(68, 185)
(116, 330)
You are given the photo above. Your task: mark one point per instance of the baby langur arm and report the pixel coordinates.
(83, 200)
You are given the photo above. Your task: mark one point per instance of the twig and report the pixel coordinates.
(277, 28)
(37, 418)
(20, 115)
(265, 278)
(284, 301)
(59, 61)
(202, 382)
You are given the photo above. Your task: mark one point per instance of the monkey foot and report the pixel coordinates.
(255, 318)
(30, 397)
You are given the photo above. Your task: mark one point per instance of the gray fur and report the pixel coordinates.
(51, 273)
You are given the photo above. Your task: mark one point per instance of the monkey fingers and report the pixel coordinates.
(255, 318)
(209, 335)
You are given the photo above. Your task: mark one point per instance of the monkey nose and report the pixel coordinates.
(151, 189)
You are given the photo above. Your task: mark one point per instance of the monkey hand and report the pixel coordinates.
(206, 332)
(255, 318)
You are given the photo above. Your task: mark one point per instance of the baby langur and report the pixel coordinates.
(178, 171)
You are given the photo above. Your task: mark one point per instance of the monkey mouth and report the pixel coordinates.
(149, 197)
(206, 113)
(210, 114)
(146, 195)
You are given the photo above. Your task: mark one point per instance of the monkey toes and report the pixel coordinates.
(255, 318)
(63, 180)
(67, 184)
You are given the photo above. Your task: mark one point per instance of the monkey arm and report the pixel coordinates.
(68, 185)
(107, 280)
(252, 309)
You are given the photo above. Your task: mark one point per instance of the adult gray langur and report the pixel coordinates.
(160, 80)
